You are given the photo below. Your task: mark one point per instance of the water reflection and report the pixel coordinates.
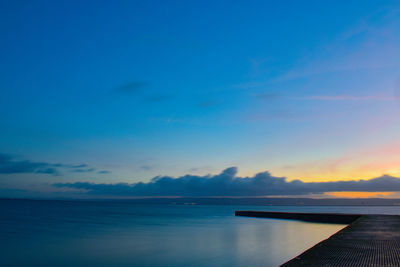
(123, 234)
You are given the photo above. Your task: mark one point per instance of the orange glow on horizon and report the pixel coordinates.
(359, 194)
(362, 163)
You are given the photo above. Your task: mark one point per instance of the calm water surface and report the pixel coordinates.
(62, 233)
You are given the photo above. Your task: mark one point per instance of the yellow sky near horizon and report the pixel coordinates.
(363, 164)
(360, 194)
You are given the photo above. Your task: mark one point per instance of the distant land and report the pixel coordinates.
(244, 201)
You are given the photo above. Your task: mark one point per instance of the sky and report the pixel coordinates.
(199, 98)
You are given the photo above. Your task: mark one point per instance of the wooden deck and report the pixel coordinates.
(370, 240)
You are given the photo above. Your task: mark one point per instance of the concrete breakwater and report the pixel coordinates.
(308, 217)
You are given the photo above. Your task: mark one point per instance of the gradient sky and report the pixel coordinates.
(306, 90)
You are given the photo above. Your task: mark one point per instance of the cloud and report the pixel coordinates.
(12, 165)
(158, 98)
(207, 104)
(132, 87)
(372, 43)
(200, 169)
(48, 171)
(146, 167)
(136, 88)
(350, 98)
(228, 184)
(77, 166)
(103, 172)
(84, 170)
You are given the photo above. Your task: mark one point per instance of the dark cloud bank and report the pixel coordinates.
(12, 165)
(228, 184)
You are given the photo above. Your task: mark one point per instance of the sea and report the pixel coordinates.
(122, 233)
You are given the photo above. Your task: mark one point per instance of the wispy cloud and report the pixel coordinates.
(74, 166)
(228, 184)
(129, 88)
(350, 98)
(200, 169)
(84, 170)
(370, 44)
(146, 167)
(158, 97)
(10, 164)
(135, 88)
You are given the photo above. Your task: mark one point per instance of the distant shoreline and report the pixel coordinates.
(234, 201)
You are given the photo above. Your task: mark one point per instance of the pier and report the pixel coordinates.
(368, 240)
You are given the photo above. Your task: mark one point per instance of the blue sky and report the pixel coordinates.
(307, 90)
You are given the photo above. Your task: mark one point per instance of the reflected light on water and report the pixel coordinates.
(122, 234)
